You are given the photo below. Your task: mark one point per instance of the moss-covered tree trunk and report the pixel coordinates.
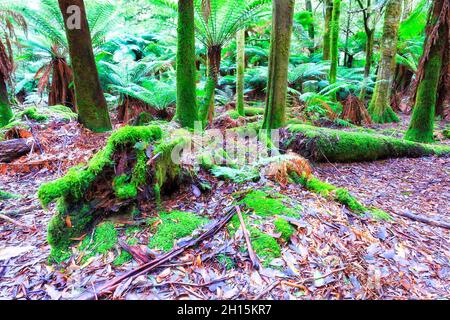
(91, 103)
(380, 108)
(5, 108)
(370, 33)
(334, 52)
(186, 93)
(207, 108)
(240, 66)
(311, 31)
(280, 43)
(428, 74)
(327, 29)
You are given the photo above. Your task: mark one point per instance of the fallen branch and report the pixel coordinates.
(145, 268)
(251, 252)
(428, 221)
(23, 226)
(267, 290)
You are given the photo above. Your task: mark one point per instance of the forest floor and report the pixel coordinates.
(334, 254)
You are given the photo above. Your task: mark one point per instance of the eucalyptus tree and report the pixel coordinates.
(91, 102)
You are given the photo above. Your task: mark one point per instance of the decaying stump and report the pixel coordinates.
(354, 111)
(323, 144)
(13, 149)
(135, 165)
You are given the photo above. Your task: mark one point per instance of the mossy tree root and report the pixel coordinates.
(323, 144)
(135, 164)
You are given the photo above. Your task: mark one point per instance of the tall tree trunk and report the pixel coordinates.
(370, 33)
(6, 113)
(207, 108)
(428, 74)
(347, 33)
(335, 40)
(380, 105)
(280, 43)
(327, 29)
(186, 93)
(240, 64)
(308, 7)
(91, 103)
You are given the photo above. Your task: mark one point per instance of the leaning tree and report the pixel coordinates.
(91, 102)
(429, 76)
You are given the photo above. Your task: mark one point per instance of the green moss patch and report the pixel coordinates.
(6, 195)
(104, 239)
(283, 227)
(265, 205)
(249, 112)
(174, 225)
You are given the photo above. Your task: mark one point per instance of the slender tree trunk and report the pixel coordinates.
(327, 29)
(186, 93)
(91, 103)
(280, 43)
(368, 64)
(5, 108)
(380, 105)
(347, 33)
(240, 63)
(308, 7)
(207, 108)
(436, 45)
(334, 40)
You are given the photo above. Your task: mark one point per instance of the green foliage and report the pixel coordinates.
(283, 227)
(33, 114)
(265, 205)
(174, 225)
(6, 195)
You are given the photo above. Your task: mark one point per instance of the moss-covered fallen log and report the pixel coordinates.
(135, 165)
(323, 144)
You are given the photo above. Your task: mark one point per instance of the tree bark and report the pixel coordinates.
(240, 64)
(282, 22)
(13, 149)
(91, 103)
(186, 93)
(207, 108)
(5, 108)
(327, 29)
(308, 7)
(380, 105)
(435, 50)
(334, 40)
